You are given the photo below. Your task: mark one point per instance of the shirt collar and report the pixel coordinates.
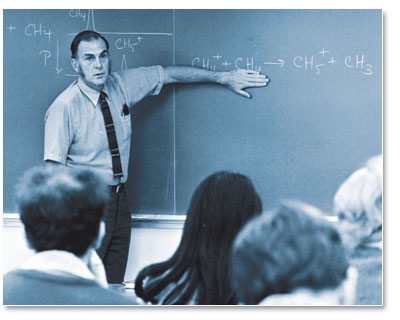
(60, 262)
(91, 93)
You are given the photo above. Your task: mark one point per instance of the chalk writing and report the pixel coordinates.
(279, 62)
(91, 26)
(36, 30)
(308, 63)
(205, 64)
(368, 70)
(249, 64)
(58, 70)
(332, 61)
(126, 43)
(323, 51)
(46, 55)
(11, 28)
(321, 61)
(359, 63)
(124, 64)
(120, 43)
(77, 13)
(318, 67)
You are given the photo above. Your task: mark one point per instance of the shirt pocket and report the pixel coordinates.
(126, 124)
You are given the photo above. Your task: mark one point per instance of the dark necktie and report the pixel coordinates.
(112, 138)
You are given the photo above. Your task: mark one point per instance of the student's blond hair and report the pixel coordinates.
(358, 203)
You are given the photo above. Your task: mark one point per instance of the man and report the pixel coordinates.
(89, 126)
(62, 211)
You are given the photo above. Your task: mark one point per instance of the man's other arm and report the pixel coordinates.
(236, 80)
(57, 134)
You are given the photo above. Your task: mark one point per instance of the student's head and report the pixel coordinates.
(283, 250)
(219, 207)
(90, 58)
(61, 208)
(358, 205)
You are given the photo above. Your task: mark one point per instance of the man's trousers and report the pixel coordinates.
(115, 246)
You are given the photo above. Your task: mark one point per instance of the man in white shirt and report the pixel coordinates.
(79, 134)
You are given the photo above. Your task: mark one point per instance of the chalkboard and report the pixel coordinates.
(317, 121)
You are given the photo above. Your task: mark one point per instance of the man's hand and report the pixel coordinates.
(236, 80)
(240, 79)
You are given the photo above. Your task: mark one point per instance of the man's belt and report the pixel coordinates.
(118, 188)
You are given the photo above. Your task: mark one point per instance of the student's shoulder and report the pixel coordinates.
(15, 280)
(11, 276)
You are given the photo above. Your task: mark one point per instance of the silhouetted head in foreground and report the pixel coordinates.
(62, 208)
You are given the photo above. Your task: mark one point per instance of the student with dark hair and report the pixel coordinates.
(198, 271)
(358, 205)
(89, 126)
(62, 211)
(288, 256)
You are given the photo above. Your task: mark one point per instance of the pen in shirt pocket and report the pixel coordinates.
(125, 111)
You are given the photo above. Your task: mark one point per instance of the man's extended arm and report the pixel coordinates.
(236, 80)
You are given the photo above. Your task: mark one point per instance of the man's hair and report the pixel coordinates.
(61, 208)
(198, 270)
(285, 249)
(86, 35)
(358, 202)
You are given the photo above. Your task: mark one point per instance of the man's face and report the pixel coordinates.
(92, 63)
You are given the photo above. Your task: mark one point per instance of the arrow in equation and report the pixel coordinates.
(57, 68)
(280, 62)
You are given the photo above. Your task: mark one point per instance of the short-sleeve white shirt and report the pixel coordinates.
(75, 133)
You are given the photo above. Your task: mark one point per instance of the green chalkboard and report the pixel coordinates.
(318, 120)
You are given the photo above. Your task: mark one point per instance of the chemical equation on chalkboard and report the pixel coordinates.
(313, 64)
(126, 42)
